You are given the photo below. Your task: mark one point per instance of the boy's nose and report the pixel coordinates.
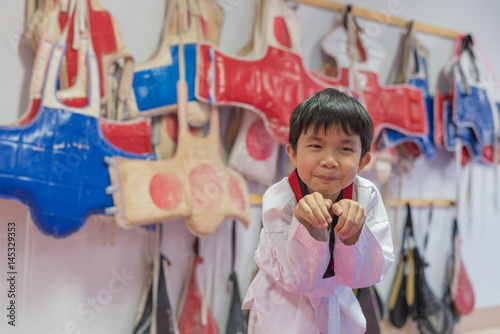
(329, 161)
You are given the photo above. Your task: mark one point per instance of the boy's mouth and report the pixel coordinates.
(327, 178)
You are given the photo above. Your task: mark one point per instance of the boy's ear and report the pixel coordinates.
(364, 161)
(291, 154)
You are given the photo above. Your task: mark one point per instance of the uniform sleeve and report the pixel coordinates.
(287, 252)
(366, 262)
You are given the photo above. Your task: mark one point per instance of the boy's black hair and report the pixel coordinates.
(328, 108)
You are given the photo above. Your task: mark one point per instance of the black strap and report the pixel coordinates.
(196, 246)
(455, 227)
(233, 245)
(426, 239)
(164, 313)
(466, 45)
(408, 230)
(453, 236)
(330, 270)
(348, 9)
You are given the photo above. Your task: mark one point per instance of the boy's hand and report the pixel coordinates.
(351, 220)
(313, 210)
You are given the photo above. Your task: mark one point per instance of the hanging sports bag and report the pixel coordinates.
(428, 311)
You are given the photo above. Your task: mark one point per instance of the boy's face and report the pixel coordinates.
(327, 162)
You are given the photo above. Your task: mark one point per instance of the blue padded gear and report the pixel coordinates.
(467, 136)
(472, 109)
(55, 165)
(157, 87)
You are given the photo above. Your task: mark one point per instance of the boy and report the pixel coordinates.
(325, 229)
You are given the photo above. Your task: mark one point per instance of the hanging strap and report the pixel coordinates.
(408, 235)
(496, 126)
(467, 44)
(193, 261)
(409, 258)
(429, 219)
(81, 35)
(458, 161)
(405, 68)
(455, 229)
(156, 278)
(399, 206)
(354, 43)
(233, 246)
(495, 160)
(212, 136)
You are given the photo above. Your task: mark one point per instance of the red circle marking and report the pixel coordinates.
(206, 188)
(259, 142)
(165, 190)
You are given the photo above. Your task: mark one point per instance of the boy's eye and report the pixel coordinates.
(347, 149)
(315, 146)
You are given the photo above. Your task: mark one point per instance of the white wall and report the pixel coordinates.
(57, 278)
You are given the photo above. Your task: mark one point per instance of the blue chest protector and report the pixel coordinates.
(55, 165)
(451, 132)
(471, 103)
(472, 109)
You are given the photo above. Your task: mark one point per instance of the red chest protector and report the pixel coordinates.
(131, 136)
(272, 84)
(108, 45)
(398, 107)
